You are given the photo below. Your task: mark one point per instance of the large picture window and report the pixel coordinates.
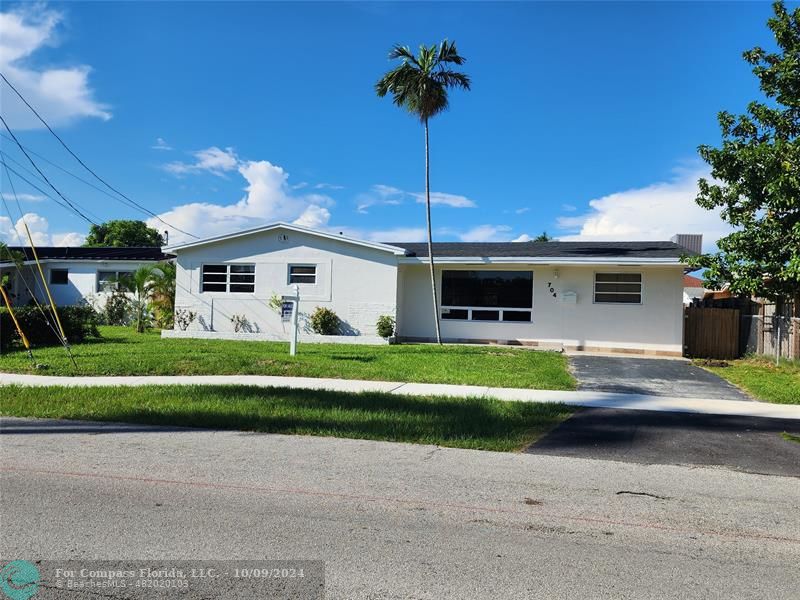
(618, 288)
(487, 295)
(228, 278)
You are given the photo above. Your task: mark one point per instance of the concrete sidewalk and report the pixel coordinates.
(590, 399)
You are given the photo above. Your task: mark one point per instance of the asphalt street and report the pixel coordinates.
(396, 520)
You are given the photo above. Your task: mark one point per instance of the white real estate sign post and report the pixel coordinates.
(289, 310)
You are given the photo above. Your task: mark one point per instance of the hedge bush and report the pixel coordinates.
(80, 323)
(324, 321)
(385, 326)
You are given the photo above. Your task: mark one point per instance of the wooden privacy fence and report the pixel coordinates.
(711, 332)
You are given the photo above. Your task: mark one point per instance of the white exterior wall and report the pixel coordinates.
(358, 283)
(81, 287)
(690, 293)
(654, 325)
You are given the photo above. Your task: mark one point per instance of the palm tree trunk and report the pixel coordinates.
(430, 235)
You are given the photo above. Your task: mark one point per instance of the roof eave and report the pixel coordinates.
(396, 250)
(545, 260)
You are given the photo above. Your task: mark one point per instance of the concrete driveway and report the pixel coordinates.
(655, 376)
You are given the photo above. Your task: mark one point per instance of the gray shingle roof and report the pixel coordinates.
(80, 253)
(548, 249)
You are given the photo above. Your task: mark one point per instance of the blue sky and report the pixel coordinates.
(583, 119)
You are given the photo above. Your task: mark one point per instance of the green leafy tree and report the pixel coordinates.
(420, 85)
(7, 255)
(756, 175)
(543, 237)
(122, 233)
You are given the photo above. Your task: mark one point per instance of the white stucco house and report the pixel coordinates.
(605, 296)
(74, 275)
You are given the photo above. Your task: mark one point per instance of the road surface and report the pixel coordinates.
(397, 520)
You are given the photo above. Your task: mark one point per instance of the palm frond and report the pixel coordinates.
(403, 52)
(421, 82)
(448, 53)
(451, 79)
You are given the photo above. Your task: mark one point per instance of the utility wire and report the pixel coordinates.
(38, 170)
(51, 307)
(25, 281)
(60, 168)
(84, 165)
(40, 190)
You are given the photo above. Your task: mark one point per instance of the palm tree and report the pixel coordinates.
(140, 283)
(420, 85)
(162, 293)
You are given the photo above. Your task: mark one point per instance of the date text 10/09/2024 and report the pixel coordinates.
(194, 573)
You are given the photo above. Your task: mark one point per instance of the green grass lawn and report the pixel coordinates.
(477, 423)
(121, 351)
(759, 376)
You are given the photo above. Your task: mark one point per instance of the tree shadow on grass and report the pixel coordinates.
(469, 422)
(352, 358)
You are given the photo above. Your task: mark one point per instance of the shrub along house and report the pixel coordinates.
(613, 296)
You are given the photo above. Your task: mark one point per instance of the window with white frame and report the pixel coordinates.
(302, 273)
(228, 278)
(618, 288)
(503, 296)
(108, 281)
(59, 276)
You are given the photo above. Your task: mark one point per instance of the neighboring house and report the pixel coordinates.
(75, 275)
(692, 289)
(608, 296)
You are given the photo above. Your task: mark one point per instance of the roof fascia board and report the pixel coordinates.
(331, 236)
(533, 260)
(44, 261)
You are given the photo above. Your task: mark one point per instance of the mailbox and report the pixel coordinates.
(569, 297)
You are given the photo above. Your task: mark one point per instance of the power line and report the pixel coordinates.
(38, 170)
(40, 190)
(19, 271)
(70, 173)
(84, 165)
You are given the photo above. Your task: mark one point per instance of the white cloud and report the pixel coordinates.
(522, 211)
(569, 207)
(443, 199)
(268, 198)
(14, 233)
(314, 217)
(30, 197)
(487, 233)
(68, 239)
(161, 144)
(61, 95)
(328, 186)
(380, 194)
(211, 160)
(522, 238)
(654, 212)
